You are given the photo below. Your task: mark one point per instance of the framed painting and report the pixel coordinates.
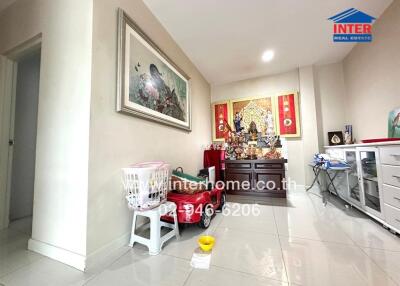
(220, 115)
(288, 113)
(150, 85)
(394, 123)
(261, 110)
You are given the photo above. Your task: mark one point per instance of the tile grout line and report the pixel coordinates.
(370, 258)
(251, 231)
(247, 273)
(219, 223)
(19, 268)
(373, 261)
(41, 257)
(105, 268)
(187, 278)
(356, 245)
(218, 226)
(125, 253)
(227, 268)
(280, 245)
(381, 249)
(316, 240)
(212, 232)
(29, 235)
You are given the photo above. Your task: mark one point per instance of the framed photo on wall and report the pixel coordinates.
(150, 85)
(220, 115)
(288, 113)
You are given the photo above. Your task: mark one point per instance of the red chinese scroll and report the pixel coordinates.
(288, 116)
(220, 116)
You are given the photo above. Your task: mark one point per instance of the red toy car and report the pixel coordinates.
(197, 208)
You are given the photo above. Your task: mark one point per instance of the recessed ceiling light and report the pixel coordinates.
(268, 56)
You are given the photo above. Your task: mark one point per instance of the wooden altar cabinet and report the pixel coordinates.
(251, 177)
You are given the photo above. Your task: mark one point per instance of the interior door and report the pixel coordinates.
(7, 69)
(24, 137)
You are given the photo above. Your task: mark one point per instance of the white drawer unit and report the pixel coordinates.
(392, 216)
(391, 175)
(390, 155)
(391, 196)
(373, 181)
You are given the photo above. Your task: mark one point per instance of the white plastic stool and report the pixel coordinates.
(156, 242)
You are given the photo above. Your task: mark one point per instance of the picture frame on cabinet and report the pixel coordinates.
(335, 138)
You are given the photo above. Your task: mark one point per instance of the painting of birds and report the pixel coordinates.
(394, 123)
(137, 67)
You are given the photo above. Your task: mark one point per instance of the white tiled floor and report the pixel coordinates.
(297, 241)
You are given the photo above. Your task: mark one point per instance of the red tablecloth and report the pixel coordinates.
(214, 158)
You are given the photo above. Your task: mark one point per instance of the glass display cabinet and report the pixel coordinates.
(353, 178)
(369, 178)
(363, 179)
(372, 180)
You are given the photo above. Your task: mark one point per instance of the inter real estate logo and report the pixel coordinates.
(352, 25)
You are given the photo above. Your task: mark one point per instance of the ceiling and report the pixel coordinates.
(225, 39)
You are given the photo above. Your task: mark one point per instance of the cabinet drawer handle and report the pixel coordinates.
(395, 155)
(395, 176)
(398, 220)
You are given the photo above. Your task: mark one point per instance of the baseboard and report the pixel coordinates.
(75, 260)
(105, 254)
(108, 252)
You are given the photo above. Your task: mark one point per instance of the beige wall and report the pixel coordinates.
(309, 123)
(62, 150)
(331, 94)
(117, 140)
(266, 85)
(372, 77)
(269, 86)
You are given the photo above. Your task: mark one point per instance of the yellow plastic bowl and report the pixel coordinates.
(206, 242)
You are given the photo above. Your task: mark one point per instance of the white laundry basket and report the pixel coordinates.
(146, 184)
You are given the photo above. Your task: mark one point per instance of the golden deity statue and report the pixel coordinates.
(253, 132)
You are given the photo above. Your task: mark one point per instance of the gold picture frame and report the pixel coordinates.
(263, 102)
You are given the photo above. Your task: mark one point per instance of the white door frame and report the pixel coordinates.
(8, 80)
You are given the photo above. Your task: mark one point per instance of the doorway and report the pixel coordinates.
(24, 140)
(20, 75)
